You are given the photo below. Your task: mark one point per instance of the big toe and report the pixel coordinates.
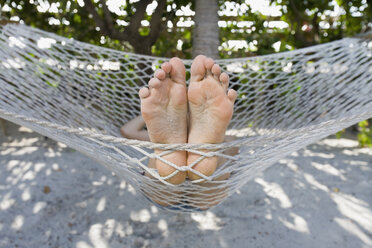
(198, 69)
(178, 71)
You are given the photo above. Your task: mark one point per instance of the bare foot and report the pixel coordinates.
(213, 192)
(158, 192)
(164, 110)
(210, 110)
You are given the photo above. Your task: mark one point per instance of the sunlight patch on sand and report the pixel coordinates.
(298, 223)
(141, 215)
(354, 209)
(207, 221)
(350, 227)
(274, 190)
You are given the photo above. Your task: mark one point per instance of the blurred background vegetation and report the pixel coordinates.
(167, 27)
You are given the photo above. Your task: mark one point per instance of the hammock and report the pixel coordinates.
(81, 94)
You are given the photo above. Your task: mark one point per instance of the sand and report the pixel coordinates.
(53, 196)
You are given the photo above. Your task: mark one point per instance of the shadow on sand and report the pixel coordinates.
(52, 196)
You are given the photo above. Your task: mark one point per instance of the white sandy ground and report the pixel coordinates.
(320, 196)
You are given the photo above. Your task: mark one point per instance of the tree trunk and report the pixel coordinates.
(206, 38)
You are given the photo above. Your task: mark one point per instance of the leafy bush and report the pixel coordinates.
(365, 133)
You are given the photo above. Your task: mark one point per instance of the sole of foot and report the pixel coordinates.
(210, 110)
(164, 110)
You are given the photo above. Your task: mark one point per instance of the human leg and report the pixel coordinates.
(134, 129)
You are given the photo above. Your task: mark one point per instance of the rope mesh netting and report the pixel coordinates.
(81, 94)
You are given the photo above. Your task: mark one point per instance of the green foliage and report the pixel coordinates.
(365, 134)
(71, 20)
(166, 45)
(309, 22)
(340, 133)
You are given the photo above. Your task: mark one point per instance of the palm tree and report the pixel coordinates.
(206, 31)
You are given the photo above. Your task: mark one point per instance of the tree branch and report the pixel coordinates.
(107, 14)
(136, 19)
(316, 30)
(89, 6)
(156, 21)
(298, 14)
(106, 25)
(141, 44)
(114, 33)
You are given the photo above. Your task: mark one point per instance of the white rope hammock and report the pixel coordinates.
(81, 94)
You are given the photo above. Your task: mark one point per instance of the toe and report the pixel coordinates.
(166, 67)
(231, 94)
(198, 69)
(208, 63)
(178, 71)
(144, 92)
(160, 74)
(154, 83)
(224, 79)
(216, 71)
